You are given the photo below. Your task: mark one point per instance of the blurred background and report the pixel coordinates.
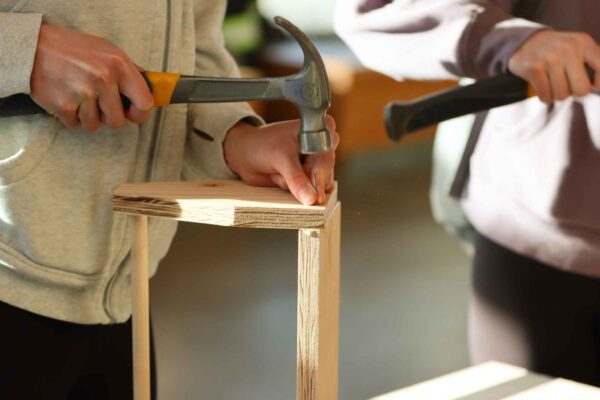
(224, 300)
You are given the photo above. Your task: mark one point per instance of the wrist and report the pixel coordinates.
(233, 145)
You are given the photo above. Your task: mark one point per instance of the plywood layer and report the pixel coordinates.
(221, 202)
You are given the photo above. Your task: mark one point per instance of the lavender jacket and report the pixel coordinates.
(535, 174)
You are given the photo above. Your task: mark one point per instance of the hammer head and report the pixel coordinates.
(309, 90)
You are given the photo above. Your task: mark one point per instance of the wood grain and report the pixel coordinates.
(224, 202)
(318, 310)
(141, 311)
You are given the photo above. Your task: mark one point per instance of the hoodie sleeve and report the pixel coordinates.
(210, 122)
(432, 39)
(18, 42)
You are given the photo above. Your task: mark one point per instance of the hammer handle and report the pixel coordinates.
(402, 118)
(161, 84)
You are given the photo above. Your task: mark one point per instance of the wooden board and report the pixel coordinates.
(224, 202)
(495, 381)
(140, 311)
(318, 311)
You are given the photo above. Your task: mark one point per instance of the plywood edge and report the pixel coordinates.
(225, 203)
(287, 218)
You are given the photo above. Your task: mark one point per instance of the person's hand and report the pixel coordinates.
(78, 78)
(554, 64)
(269, 155)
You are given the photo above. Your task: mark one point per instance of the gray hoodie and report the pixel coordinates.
(535, 174)
(63, 252)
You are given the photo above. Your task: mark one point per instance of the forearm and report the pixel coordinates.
(432, 39)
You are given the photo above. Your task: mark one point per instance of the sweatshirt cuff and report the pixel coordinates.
(491, 39)
(18, 43)
(204, 155)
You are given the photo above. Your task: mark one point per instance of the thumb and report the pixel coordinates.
(297, 181)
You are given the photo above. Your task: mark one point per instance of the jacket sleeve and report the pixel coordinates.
(18, 42)
(432, 39)
(210, 122)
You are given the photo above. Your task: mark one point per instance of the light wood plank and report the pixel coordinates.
(318, 310)
(225, 202)
(494, 380)
(140, 310)
(559, 389)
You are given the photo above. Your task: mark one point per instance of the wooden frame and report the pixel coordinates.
(232, 203)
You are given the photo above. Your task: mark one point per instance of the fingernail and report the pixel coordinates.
(307, 195)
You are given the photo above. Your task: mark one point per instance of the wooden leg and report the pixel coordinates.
(318, 311)
(141, 312)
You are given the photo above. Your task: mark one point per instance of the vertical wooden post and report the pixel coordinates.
(318, 311)
(141, 311)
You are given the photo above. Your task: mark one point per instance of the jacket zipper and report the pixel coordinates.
(153, 152)
(155, 140)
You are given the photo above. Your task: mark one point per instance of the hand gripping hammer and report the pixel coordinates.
(308, 89)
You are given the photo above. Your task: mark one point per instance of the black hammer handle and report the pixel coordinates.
(22, 104)
(402, 118)
(19, 104)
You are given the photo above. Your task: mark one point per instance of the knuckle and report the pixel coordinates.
(583, 37)
(533, 67)
(62, 104)
(569, 48)
(102, 77)
(297, 179)
(88, 93)
(117, 62)
(552, 57)
(69, 108)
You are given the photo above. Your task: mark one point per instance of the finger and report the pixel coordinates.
(592, 58)
(135, 88)
(111, 106)
(279, 181)
(315, 174)
(296, 179)
(258, 180)
(67, 114)
(558, 82)
(541, 83)
(330, 121)
(591, 54)
(331, 124)
(89, 115)
(578, 80)
(336, 139)
(318, 183)
(321, 167)
(330, 186)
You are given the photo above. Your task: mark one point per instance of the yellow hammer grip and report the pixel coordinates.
(162, 85)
